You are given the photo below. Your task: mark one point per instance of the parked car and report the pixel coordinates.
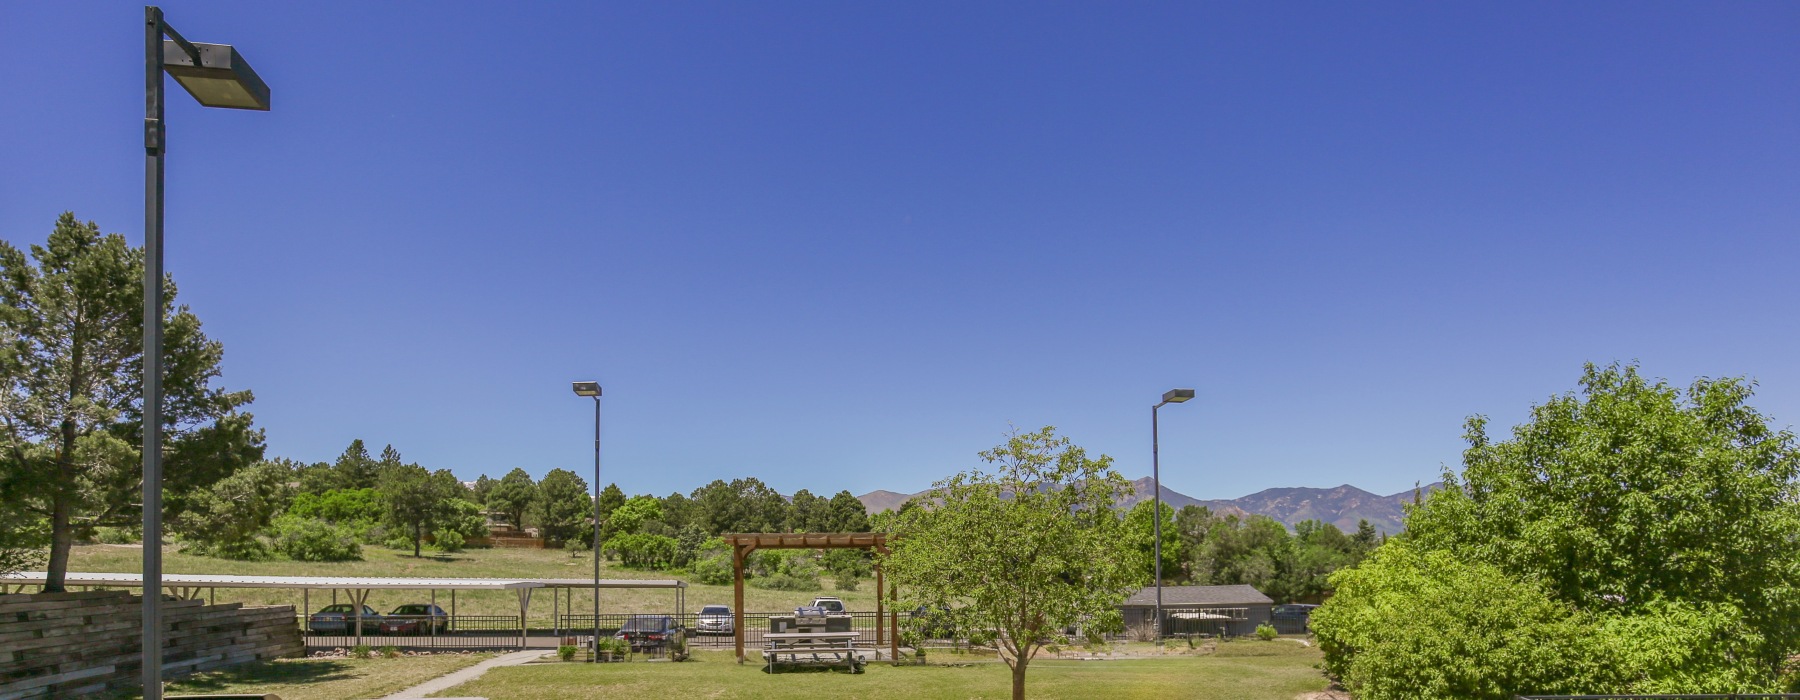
(831, 604)
(714, 619)
(648, 631)
(1293, 610)
(416, 618)
(336, 619)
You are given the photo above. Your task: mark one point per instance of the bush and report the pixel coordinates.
(389, 652)
(398, 542)
(787, 582)
(1266, 633)
(447, 541)
(361, 651)
(1427, 626)
(846, 581)
(306, 539)
(119, 535)
(566, 652)
(356, 509)
(714, 570)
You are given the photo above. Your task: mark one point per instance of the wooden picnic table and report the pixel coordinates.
(839, 646)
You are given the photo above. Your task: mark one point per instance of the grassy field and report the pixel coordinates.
(325, 679)
(1237, 671)
(474, 563)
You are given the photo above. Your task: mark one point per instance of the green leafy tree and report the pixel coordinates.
(355, 469)
(513, 496)
(679, 512)
(630, 518)
(610, 500)
(742, 505)
(809, 513)
(356, 510)
(483, 486)
(417, 501)
(71, 321)
(1026, 551)
(567, 508)
(1633, 493)
(848, 514)
(1140, 529)
(226, 519)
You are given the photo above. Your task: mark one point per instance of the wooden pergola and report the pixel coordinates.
(743, 544)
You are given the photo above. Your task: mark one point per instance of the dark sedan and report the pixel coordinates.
(416, 618)
(336, 619)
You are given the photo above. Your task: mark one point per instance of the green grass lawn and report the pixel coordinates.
(474, 563)
(1237, 671)
(325, 679)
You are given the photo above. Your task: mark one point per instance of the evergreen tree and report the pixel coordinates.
(71, 320)
(513, 496)
(566, 508)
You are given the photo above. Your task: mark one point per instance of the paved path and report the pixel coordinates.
(446, 682)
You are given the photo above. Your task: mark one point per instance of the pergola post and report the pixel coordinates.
(879, 589)
(737, 609)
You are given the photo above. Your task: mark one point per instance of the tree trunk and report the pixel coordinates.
(1018, 679)
(62, 538)
(417, 535)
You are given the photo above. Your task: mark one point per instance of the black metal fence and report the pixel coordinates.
(755, 626)
(421, 631)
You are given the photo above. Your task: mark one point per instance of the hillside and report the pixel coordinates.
(1342, 506)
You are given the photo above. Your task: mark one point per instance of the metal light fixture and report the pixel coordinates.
(218, 77)
(1168, 397)
(587, 388)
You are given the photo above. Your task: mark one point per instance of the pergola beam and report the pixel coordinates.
(743, 544)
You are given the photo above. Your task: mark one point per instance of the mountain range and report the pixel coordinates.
(1343, 506)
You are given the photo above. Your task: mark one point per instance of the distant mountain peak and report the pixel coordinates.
(1343, 505)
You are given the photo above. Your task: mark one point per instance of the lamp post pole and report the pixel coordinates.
(153, 333)
(596, 654)
(1171, 396)
(592, 389)
(216, 76)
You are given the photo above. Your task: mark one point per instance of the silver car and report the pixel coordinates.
(714, 619)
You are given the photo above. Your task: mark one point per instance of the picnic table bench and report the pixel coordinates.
(813, 647)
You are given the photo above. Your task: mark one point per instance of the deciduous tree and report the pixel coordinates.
(1028, 550)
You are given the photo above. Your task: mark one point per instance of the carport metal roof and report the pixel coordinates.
(75, 578)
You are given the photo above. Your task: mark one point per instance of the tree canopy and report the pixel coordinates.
(1028, 550)
(1661, 521)
(71, 320)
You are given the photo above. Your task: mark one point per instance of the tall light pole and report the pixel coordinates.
(1169, 397)
(593, 389)
(217, 77)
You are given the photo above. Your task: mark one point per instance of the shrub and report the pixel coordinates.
(846, 581)
(398, 542)
(118, 535)
(361, 651)
(306, 539)
(1266, 633)
(566, 652)
(389, 652)
(787, 582)
(714, 570)
(1406, 625)
(447, 541)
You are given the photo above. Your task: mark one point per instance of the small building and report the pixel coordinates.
(1231, 611)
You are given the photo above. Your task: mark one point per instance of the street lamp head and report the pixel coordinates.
(220, 79)
(1177, 395)
(587, 389)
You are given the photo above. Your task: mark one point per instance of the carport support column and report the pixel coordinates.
(524, 604)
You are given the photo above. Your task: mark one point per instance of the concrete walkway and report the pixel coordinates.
(446, 682)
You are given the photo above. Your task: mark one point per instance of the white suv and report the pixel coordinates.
(831, 604)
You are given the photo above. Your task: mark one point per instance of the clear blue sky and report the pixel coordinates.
(844, 245)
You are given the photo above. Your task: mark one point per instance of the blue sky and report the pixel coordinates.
(846, 245)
